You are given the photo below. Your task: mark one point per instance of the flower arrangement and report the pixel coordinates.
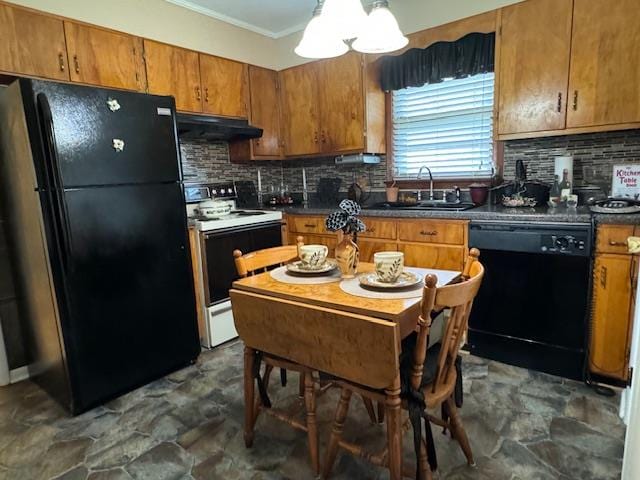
(346, 219)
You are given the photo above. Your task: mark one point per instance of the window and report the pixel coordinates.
(445, 126)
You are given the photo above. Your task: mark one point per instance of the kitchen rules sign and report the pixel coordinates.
(626, 181)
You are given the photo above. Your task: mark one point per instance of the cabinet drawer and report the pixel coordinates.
(613, 238)
(306, 224)
(431, 231)
(379, 229)
(443, 257)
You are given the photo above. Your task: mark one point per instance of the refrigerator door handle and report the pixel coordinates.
(54, 179)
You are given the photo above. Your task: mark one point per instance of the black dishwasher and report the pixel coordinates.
(532, 308)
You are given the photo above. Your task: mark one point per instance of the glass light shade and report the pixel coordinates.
(347, 16)
(320, 40)
(381, 33)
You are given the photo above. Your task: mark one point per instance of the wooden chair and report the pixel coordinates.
(438, 392)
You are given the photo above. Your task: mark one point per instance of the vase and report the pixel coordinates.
(347, 255)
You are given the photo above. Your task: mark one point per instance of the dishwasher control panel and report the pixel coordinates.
(572, 239)
(564, 243)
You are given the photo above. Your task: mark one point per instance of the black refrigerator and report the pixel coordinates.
(91, 184)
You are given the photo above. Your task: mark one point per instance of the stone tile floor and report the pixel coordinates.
(522, 425)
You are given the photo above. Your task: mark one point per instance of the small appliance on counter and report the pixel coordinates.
(520, 192)
(217, 238)
(328, 190)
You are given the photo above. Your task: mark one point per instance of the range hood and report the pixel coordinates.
(191, 126)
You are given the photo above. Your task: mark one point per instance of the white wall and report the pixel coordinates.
(166, 22)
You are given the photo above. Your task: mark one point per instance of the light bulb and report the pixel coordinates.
(381, 33)
(347, 16)
(320, 40)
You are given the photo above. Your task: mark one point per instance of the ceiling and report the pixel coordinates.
(273, 18)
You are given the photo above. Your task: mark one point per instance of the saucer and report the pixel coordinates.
(299, 268)
(406, 280)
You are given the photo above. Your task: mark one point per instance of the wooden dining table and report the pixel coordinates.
(328, 330)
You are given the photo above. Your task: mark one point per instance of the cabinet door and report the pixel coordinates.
(611, 315)
(174, 71)
(605, 63)
(341, 103)
(534, 66)
(300, 113)
(224, 84)
(105, 58)
(32, 44)
(265, 111)
(368, 248)
(443, 257)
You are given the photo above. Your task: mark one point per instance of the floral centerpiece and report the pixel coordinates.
(346, 220)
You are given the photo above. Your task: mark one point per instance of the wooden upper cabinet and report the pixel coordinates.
(605, 63)
(265, 111)
(224, 86)
(174, 71)
(32, 44)
(342, 126)
(534, 65)
(104, 57)
(300, 110)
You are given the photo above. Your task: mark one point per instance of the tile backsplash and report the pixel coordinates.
(596, 149)
(208, 162)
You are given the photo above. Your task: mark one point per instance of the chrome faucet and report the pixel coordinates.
(419, 192)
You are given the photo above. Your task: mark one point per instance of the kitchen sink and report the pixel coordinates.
(428, 206)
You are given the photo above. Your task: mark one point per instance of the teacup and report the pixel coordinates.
(313, 256)
(389, 266)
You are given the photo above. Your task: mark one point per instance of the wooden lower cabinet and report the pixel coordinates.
(369, 247)
(426, 243)
(329, 241)
(443, 257)
(614, 278)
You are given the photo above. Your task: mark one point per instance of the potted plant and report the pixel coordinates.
(346, 221)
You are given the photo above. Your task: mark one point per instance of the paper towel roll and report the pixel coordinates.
(562, 163)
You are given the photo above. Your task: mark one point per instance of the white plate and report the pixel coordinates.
(407, 279)
(297, 267)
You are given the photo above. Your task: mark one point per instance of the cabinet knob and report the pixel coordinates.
(324, 137)
(315, 137)
(198, 95)
(603, 276)
(76, 63)
(575, 100)
(61, 62)
(425, 233)
(613, 243)
(206, 95)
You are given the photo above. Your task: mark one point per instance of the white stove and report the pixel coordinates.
(236, 218)
(246, 230)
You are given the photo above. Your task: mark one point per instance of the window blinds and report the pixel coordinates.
(447, 126)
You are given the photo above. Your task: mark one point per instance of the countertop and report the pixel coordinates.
(486, 212)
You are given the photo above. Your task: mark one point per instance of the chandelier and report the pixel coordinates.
(338, 24)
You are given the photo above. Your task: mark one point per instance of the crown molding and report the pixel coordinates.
(234, 21)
